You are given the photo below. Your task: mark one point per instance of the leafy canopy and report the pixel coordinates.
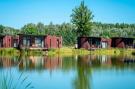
(82, 19)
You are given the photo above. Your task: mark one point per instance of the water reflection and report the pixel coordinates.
(83, 72)
(83, 66)
(66, 63)
(7, 62)
(38, 62)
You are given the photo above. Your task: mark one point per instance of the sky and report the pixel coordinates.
(17, 13)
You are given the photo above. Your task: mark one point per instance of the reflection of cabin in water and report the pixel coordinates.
(52, 62)
(121, 42)
(93, 42)
(39, 41)
(8, 61)
(38, 62)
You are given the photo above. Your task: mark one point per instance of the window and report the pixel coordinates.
(26, 41)
(39, 41)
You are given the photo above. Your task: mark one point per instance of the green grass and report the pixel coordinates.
(9, 51)
(106, 52)
(66, 51)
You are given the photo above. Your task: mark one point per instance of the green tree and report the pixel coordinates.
(1, 29)
(30, 29)
(82, 19)
(40, 28)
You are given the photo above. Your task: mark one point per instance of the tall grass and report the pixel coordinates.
(9, 51)
(8, 80)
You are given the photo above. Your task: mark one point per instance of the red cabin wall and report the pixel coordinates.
(119, 43)
(47, 41)
(83, 42)
(53, 42)
(7, 41)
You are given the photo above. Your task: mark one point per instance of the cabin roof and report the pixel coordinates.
(106, 38)
(31, 35)
(122, 37)
(88, 37)
(6, 35)
(36, 35)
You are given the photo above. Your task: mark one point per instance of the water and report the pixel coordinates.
(74, 72)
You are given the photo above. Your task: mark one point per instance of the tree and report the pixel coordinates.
(1, 29)
(51, 29)
(82, 19)
(40, 28)
(30, 29)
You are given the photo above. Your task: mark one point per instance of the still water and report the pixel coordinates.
(73, 72)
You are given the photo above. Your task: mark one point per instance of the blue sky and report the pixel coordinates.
(16, 13)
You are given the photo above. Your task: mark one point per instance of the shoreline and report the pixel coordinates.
(66, 51)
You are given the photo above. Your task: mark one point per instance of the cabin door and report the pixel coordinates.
(58, 43)
(104, 45)
(134, 44)
(1, 42)
(15, 43)
(50, 43)
(26, 41)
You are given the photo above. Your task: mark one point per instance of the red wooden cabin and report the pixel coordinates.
(5, 41)
(93, 42)
(121, 42)
(39, 41)
(8, 41)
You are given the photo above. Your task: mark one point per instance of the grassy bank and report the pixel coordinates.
(66, 51)
(9, 51)
(72, 51)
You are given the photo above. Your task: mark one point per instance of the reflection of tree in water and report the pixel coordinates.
(83, 73)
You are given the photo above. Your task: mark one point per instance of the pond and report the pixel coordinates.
(71, 72)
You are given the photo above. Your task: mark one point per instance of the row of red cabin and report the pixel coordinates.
(99, 42)
(47, 41)
(30, 41)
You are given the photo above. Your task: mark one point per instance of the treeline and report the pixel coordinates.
(68, 31)
(113, 30)
(4, 30)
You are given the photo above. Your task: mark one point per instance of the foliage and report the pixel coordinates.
(4, 30)
(30, 29)
(81, 18)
